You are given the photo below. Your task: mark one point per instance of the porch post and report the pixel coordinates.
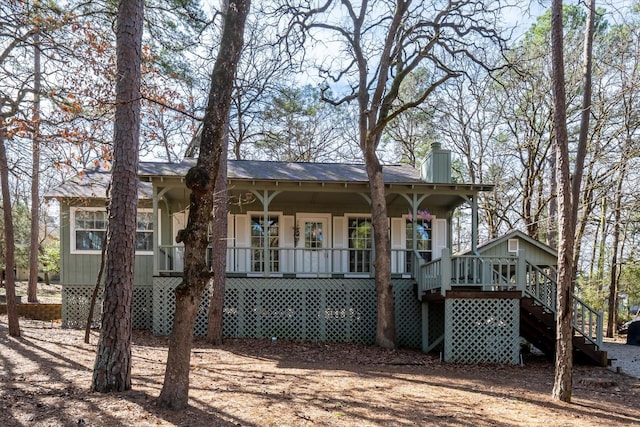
(266, 199)
(414, 222)
(521, 274)
(445, 271)
(474, 224)
(265, 232)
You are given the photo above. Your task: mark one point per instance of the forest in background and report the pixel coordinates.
(56, 112)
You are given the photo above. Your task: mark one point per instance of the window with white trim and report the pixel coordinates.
(89, 228)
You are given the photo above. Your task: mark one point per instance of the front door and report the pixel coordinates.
(313, 249)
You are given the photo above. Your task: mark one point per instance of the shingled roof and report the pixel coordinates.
(288, 171)
(92, 184)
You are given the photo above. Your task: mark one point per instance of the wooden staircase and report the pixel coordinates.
(538, 326)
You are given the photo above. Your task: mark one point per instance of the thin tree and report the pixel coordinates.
(568, 193)
(201, 181)
(34, 244)
(112, 370)
(9, 263)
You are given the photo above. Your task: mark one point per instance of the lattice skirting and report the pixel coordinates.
(482, 330)
(339, 310)
(76, 300)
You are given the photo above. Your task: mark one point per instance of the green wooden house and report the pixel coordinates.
(300, 258)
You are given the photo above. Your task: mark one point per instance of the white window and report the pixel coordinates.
(89, 229)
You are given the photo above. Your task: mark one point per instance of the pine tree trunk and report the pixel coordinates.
(201, 180)
(562, 387)
(112, 370)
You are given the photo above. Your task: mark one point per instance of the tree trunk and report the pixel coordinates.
(34, 244)
(218, 253)
(112, 370)
(385, 319)
(564, 359)
(612, 308)
(201, 180)
(552, 224)
(10, 289)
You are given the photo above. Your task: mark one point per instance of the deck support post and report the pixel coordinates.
(425, 326)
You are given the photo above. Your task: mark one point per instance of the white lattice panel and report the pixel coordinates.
(408, 314)
(342, 310)
(482, 330)
(142, 313)
(76, 300)
(164, 304)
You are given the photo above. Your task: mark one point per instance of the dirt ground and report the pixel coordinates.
(45, 376)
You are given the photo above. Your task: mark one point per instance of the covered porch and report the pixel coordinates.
(311, 220)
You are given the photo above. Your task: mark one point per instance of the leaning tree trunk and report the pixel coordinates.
(201, 180)
(12, 310)
(112, 370)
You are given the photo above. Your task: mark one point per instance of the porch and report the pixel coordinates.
(479, 314)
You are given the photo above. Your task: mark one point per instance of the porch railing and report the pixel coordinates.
(302, 262)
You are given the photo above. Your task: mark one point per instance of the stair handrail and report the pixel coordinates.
(591, 330)
(589, 318)
(427, 274)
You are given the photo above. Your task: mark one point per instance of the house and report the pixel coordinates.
(300, 257)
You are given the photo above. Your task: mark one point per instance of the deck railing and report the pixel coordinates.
(487, 273)
(491, 273)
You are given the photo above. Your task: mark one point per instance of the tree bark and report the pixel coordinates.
(612, 308)
(112, 370)
(385, 320)
(12, 311)
(218, 252)
(562, 388)
(201, 180)
(34, 243)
